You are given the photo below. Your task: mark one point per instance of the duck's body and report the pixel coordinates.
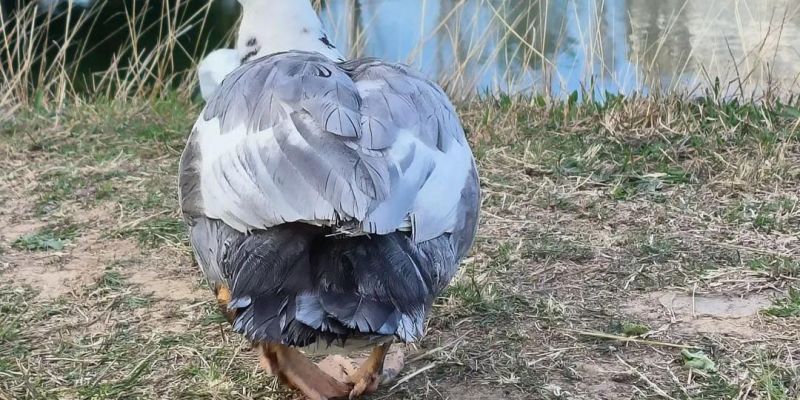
(329, 203)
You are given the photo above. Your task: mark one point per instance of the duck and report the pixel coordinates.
(328, 201)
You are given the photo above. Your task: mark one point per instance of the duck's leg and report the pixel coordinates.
(367, 378)
(297, 371)
(223, 298)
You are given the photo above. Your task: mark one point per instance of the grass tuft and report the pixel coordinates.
(157, 231)
(53, 237)
(787, 307)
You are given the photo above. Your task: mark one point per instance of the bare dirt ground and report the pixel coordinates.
(650, 250)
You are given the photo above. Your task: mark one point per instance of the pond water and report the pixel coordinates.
(619, 46)
(556, 46)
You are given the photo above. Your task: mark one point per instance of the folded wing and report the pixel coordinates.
(363, 146)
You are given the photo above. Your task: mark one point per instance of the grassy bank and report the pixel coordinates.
(613, 238)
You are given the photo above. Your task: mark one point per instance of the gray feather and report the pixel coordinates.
(367, 145)
(294, 151)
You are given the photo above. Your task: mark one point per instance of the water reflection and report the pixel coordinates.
(564, 45)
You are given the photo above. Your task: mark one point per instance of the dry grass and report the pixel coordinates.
(42, 59)
(612, 236)
(44, 56)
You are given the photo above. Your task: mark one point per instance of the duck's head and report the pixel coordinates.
(273, 26)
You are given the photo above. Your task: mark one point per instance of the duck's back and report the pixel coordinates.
(330, 201)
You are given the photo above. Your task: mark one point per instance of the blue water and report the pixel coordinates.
(560, 46)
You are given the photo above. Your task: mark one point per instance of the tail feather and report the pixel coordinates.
(294, 284)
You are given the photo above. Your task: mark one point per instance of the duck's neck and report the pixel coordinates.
(272, 26)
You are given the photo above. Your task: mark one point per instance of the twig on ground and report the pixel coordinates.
(627, 339)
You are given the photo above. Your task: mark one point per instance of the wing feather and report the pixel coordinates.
(365, 146)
